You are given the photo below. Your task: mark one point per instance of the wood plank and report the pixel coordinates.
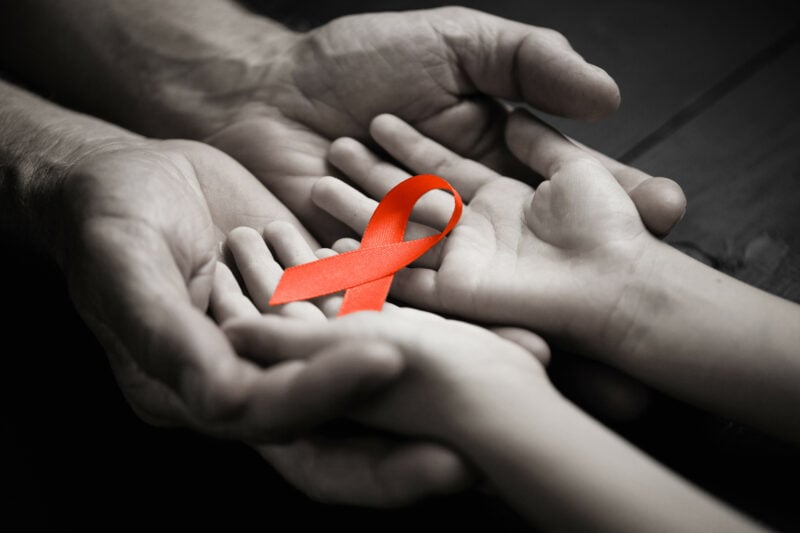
(664, 55)
(739, 163)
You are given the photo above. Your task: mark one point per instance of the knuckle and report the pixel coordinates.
(553, 36)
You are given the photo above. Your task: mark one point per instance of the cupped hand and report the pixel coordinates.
(140, 233)
(440, 70)
(556, 260)
(362, 468)
(450, 368)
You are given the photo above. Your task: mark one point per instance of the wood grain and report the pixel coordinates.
(739, 163)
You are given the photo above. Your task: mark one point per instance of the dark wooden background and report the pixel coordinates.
(710, 98)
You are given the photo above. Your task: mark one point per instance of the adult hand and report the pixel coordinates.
(360, 468)
(438, 70)
(142, 231)
(139, 248)
(275, 99)
(352, 467)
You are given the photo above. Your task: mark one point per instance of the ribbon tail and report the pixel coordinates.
(347, 270)
(367, 297)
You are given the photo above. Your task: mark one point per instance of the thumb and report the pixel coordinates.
(517, 61)
(659, 201)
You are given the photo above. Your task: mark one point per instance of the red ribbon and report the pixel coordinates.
(367, 273)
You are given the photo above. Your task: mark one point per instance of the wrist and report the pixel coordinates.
(40, 145)
(658, 289)
(696, 334)
(495, 415)
(563, 470)
(601, 315)
(165, 69)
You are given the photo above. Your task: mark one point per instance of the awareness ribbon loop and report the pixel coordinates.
(367, 272)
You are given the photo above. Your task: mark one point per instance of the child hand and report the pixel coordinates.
(453, 370)
(361, 469)
(556, 259)
(365, 469)
(449, 369)
(261, 272)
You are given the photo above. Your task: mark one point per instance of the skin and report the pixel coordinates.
(437, 70)
(137, 242)
(414, 464)
(136, 227)
(515, 257)
(275, 99)
(573, 260)
(484, 395)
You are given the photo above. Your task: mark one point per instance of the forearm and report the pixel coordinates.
(563, 471)
(174, 69)
(39, 142)
(716, 342)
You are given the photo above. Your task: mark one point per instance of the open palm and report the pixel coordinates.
(554, 259)
(141, 234)
(142, 225)
(437, 69)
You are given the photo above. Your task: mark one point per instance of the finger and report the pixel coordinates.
(332, 308)
(227, 300)
(335, 377)
(516, 61)
(136, 275)
(661, 204)
(292, 249)
(377, 178)
(289, 245)
(329, 305)
(273, 339)
(418, 288)
(563, 163)
(528, 340)
(287, 159)
(353, 208)
(659, 201)
(260, 271)
(369, 471)
(228, 396)
(425, 156)
(154, 321)
(475, 128)
(322, 253)
(344, 202)
(315, 375)
(411, 313)
(346, 244)
(539, 145)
